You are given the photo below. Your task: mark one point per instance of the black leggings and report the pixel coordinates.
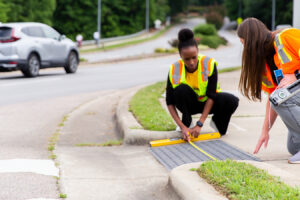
(224, 106)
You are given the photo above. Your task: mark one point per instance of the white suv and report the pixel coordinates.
(30, 46)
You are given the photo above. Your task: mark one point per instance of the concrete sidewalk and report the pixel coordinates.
(243, 132)
(131, 172)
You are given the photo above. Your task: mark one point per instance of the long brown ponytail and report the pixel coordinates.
(258, 49)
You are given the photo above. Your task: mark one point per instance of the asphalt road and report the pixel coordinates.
(32, 108)
(119, 75)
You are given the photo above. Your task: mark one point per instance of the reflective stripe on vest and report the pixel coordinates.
(177, 72)
(267, 82)
(205, 69)
(283, 56)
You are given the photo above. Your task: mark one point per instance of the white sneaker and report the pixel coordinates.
(178, 129)
(213, 125)
(295, 159)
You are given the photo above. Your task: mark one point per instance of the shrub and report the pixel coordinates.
(213, 41)
(174, 43)
(205, 29)
(214, 18)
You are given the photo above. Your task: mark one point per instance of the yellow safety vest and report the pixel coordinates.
(205, 69)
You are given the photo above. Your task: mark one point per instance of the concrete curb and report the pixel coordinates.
(189, 185)
(131, 130)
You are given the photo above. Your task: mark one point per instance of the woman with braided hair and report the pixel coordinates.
(192, 87)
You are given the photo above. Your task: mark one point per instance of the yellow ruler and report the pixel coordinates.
(164, 142)
(208, 136)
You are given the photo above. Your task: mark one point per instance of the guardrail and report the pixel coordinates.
(104, 40)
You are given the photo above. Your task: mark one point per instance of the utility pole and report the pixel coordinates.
(273, 14)
(99, 22)
(147, 15)
(240, 9)
(296, 14)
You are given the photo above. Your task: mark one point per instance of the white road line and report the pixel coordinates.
(42, 199)
(35, 81)
(44, 167)
(238, 127)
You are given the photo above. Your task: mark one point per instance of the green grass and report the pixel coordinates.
(63, 196)
(160, 33)
(164, 50)
(83, 60)
(106, 144)
(241, 181)
(229, 69)
(147, 109)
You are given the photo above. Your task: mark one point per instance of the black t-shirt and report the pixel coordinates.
(210, 91)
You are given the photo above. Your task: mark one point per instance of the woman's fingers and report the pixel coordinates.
(260, 142)
(263, 140)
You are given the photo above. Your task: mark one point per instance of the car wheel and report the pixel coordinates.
(33, 66)
(72, 63)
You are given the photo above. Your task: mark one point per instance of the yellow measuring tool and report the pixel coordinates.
(164, 142)
(207, 136)
(202, 151)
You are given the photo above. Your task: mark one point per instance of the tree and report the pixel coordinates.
(4, 10)
(118, 17)
(31, 11)
(177, 6)
(261, 9)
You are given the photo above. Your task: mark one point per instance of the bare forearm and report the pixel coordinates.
(270, 117)
(175, 116)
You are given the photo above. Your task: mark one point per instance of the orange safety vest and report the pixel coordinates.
(287, 56)
(268, 85)
(287, 47)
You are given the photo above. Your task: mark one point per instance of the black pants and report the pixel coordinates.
(224, 106)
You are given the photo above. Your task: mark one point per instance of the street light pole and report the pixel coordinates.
(147, 15)
(99, 22)
(273, 14)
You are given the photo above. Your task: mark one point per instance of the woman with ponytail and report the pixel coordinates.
(192, 87)
(265, 53)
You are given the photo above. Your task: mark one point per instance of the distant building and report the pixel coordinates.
(296, 14)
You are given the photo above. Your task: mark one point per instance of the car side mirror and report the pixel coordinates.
(62, 37)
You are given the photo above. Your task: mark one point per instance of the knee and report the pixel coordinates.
(182, 91)
(235, 102)
(230, 101)
(292, 147)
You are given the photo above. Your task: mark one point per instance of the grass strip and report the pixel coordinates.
(106, 144)
(147, 109)
(160, 33)
(229, 69)
(241, 181)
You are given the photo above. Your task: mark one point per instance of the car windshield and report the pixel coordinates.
(5, 32)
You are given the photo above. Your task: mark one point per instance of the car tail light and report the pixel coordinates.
(12, 38)
(13, 63)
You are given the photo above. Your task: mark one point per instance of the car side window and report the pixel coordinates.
(34, 31)
(25, 30)
(51, 33)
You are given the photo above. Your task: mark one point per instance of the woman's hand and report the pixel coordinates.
(186, 133)
(196, 131)
(264, 139)
(287, 80)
